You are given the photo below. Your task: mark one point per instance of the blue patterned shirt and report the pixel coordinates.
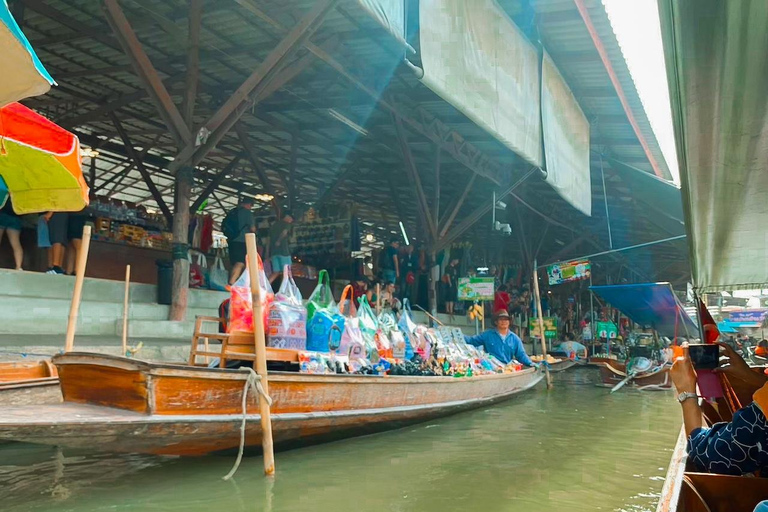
(511, 347)
(734, 448)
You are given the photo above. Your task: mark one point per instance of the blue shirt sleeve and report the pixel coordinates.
(477, 341)
(733, 448)
(518, 352)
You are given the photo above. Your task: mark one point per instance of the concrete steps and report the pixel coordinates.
(34, 303)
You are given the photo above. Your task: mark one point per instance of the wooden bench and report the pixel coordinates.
(234, 346)
(704, 492)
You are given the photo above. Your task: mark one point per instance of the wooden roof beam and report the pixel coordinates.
(147, 73)
(229, 113)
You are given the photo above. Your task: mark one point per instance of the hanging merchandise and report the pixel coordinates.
(206, 234)
(218, 277)
(241, 303)
(43, 236)
(321, 297)
(287, 324)
(197, 270)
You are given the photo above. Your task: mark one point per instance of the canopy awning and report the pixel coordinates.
(652, 305)
(717, 71)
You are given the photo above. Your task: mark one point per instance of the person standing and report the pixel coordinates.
(58, 224)
(409, 265)
(75, 225)
(389, 263)
(280, 245)
(501, 342)
(10, 224)
(451, 280)
(238, 222)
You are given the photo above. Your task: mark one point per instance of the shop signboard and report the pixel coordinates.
(756, 316)
(550, 326)
(476, 288)
(607, 330)
(560, 273)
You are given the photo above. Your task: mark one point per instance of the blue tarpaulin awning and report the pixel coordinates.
(652, 305)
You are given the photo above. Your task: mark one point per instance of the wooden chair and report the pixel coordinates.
(234, 346)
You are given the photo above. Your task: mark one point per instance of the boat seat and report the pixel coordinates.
(236, 345)
(704, 492)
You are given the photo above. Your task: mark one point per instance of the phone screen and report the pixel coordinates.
(704, 357)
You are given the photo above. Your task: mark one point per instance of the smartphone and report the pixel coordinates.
(704, 356)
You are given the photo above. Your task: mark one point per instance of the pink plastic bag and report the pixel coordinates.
(240, 306)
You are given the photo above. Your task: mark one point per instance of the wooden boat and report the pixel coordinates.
(597, 361)
(29, 382)
(689, 491)
(562, 365)
(612, 372)
(125, 405)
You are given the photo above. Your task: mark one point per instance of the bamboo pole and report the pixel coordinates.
(261, 354)
(74, 307)
(541, 324)
(378, 298)
(125, 309)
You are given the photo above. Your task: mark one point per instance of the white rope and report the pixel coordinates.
(252, 382)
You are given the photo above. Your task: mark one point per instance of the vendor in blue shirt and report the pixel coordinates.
(501, 342)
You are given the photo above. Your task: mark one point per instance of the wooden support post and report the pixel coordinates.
(438, 152)
(125, 309)
(432, 283)
(292, 173)
(378, 298)
(541, 325)
(215, 182)
(261, 354)
(446, 224)
(74, 307)
(193, 62)
(180, 291)
(92, 174)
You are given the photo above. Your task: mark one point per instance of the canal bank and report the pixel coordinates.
(575, 448)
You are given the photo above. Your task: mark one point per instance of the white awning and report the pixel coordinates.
(718, 74)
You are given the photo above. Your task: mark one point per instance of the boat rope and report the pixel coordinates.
(253, 382)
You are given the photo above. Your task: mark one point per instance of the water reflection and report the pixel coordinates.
(575, 448)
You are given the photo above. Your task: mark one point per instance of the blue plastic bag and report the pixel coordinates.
(43, 237)
(321, 328)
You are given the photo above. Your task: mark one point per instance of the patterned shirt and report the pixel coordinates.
(734, 448)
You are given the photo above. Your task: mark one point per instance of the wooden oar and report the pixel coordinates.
(623, 382)
(541, 325)
(82, 259)
(124, 353)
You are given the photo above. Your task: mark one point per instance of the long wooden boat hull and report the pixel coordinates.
(124, 405)
(24, 382)
(612, 372)
(562, 365)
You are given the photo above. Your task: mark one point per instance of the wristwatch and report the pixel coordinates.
(682, 397)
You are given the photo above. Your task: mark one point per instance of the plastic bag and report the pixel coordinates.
(218, 277)
(368, 325)
(241, 304)
(321, 297)
(43, 235)
(407, 326)
(351, 336)
(287, 324)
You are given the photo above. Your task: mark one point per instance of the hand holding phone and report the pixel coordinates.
(704, 356)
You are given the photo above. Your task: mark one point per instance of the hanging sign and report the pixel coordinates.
(754, 316)
(550, 326)
(607, 330)
(476, 288)
(560, 273)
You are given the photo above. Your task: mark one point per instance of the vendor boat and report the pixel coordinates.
(656, 377)
(125, 405)
(35, 382)
(562, 365)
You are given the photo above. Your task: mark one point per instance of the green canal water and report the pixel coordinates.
(575, 448)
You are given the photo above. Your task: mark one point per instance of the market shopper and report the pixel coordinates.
(237, 223)
(501, 342)
(58, 224)
(451, 280)
(733, 448)
(280, 244)
(389, 263)
(10, 224)
(75, 225)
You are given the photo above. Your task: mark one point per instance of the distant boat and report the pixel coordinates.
(126, 405)
(612, 372)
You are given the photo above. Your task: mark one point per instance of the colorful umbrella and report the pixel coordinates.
(40, 162)
(23, 73)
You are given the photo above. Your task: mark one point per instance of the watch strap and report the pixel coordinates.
(682, 397)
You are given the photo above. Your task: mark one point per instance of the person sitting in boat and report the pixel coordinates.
(762, 349)
(572, 348)
(501, 342)
(733, 448)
